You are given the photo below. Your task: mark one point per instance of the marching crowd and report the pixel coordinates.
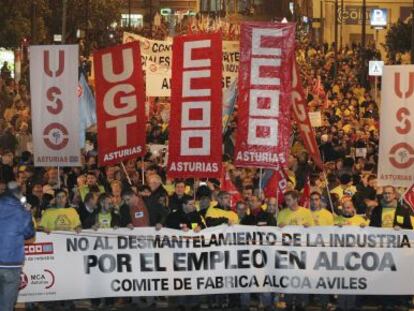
(140, 194)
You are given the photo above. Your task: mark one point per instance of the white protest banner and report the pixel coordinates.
(155, 51)
(396, 146)
(315, 118)
(55, 108)
(219, 260)
(158, 80)
(156, 61)
(231, 58)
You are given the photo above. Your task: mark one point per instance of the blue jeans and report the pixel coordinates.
(9, 287)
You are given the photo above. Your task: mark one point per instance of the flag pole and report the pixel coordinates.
(58, 168)
(126, 173)
(328, 191)
(260, 182)
(194, 189)
(143, 170)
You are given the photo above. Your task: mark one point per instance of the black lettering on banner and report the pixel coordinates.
(362, 283)
(107, 263)
(166, 84)
(285, 281)
(122, 242)
(179, 262)
(341, 283)
(243, 260)
(76, 244)
(354, 261)
(219, 282)
(295, 261)
(259, 258)
(184, 283)
(139, 285)
(225, 82)
(318, 241)
(405, 242)
(102, 243)
(291, 239)
(150, 262)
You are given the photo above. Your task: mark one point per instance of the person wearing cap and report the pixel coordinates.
(16, 226)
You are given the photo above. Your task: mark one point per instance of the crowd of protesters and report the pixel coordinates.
(141, 194)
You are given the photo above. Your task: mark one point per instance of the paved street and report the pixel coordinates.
(163, 306)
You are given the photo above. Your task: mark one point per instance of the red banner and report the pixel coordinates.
(409, 197)
(120, 103)
(264, 101)
(300, 112)
(276, 186)
(195, 138)
(226, 184)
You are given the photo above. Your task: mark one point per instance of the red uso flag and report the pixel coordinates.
(265, 87)
(120, 102)
(195, 141)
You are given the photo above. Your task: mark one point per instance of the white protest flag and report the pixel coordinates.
(55, 107)
(396, 147)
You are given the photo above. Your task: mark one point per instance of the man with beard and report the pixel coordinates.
(389, 212)
(221, 213)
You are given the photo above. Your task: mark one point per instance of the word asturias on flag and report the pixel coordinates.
(195, 138)
(265, 88)
(120, 98)
(55, 113)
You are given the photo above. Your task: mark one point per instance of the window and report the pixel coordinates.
(137, 20)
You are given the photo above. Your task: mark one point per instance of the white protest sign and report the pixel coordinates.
(315, 118)
(158, 80)
(396, 145)
(219, 260)
(361, 152)
(156, 61)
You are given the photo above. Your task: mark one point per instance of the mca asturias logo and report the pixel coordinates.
(45, 279)
(23, 281)
(38, 249)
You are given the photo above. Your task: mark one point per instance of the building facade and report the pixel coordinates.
(348, 19)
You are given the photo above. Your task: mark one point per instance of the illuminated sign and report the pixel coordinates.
(379, 18)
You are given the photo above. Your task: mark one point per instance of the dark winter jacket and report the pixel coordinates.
(16, 226)
(402, 217)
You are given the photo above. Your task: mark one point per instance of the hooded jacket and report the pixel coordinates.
(16, 226)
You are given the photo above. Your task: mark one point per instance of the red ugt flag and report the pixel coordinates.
(120, 103)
